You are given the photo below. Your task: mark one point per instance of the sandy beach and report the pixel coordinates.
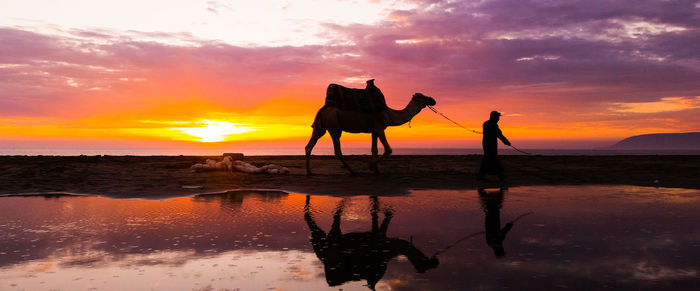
(163, 176)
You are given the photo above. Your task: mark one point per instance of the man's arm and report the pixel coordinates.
(503, 138)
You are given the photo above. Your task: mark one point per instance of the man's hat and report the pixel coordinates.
(495, 113)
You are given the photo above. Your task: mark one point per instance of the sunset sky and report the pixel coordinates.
(565, 74)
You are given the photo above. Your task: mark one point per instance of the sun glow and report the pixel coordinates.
(214, 131)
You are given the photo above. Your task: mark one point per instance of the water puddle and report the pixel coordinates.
(543, 237)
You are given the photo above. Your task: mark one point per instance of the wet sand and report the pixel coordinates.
(163, 176)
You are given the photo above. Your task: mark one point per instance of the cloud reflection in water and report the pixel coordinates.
(578, 237)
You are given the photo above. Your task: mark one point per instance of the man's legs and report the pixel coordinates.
(490, 165)
(498, 168)
(483, 169)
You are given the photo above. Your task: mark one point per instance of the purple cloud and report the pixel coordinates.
(502, 43)
(581, 55)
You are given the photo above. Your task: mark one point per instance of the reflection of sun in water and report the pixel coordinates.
(214, 131)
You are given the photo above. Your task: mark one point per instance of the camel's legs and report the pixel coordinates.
(385, 224)
(318, 236)
(375, 151)
(317, 233)
(335, 135)
(315, 135)
(387, 148)
(335, 233)
(374, 211)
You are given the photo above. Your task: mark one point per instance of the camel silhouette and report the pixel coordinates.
(359, 256)
(335, 119)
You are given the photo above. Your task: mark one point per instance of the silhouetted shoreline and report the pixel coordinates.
(364, 150)
(164, 176)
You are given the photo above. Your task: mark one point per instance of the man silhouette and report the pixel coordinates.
(491, 164)
(491, 202)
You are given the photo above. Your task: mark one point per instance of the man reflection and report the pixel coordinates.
(491, 202)
(361, 255)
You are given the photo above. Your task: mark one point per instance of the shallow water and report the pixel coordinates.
(564, 237)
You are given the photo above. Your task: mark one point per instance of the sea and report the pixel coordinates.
(322, 151)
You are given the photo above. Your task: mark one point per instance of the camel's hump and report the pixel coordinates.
(352, 99)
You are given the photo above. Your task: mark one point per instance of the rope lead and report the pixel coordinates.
(462, 126)
(469, 129)
(529, 154)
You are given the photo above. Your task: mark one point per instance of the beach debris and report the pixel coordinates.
(228, 164)
(213, 165)
(234, 156)
(192, 187)
(270, 168)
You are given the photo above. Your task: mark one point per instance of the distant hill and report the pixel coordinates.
(661, 141)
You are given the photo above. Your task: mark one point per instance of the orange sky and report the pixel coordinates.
(202, 75)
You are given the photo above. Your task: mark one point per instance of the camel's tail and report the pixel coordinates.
(318, 122)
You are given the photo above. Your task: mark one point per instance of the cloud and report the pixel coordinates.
(481, 45)
(666, 104)
(585, 59)
(41, 73)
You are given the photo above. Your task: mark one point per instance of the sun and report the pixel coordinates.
(214, 131)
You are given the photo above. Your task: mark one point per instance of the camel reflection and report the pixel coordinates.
(361, 255)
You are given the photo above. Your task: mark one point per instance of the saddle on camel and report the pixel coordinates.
(369, 99)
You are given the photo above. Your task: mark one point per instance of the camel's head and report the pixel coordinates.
(424, 100)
